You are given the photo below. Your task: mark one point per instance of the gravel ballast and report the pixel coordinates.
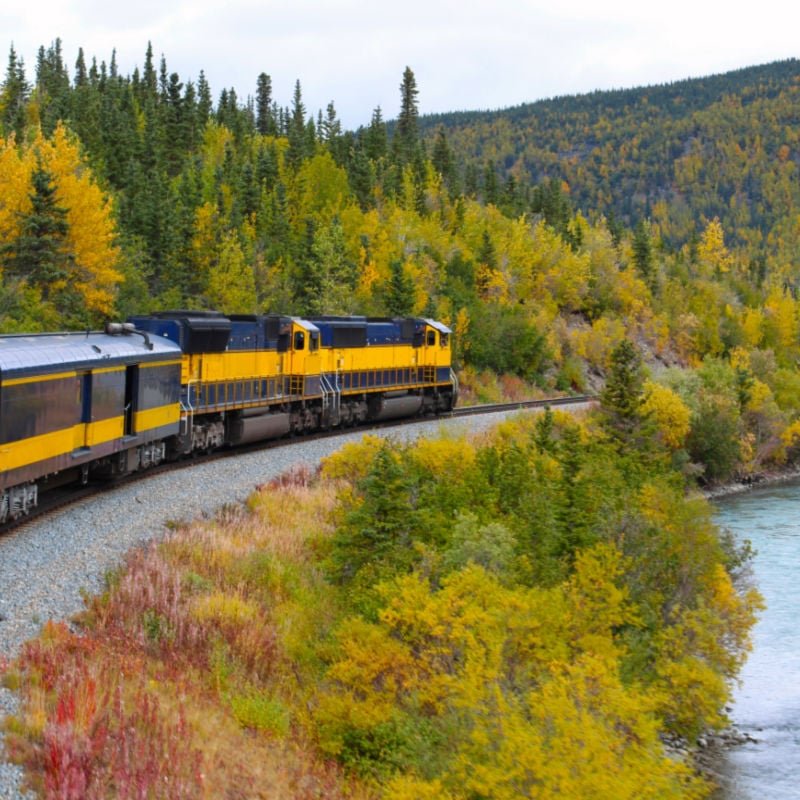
(47, 564)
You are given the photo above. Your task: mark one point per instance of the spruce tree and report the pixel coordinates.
(361, 175)
(379, 530)
(14, 95)
(405, 143)
(265, 121)
(204, 103)
(298, 135)
(52, 87)
(149, 79)
(487, 263)
(399, 291)
(491, 186)
(331, 133)
(40, 255)
(443, 161)
(643, 253)
(375, 137)
(81, 78)
(621, 398)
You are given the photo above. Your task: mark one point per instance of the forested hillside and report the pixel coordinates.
(138, 192)
(724, 146)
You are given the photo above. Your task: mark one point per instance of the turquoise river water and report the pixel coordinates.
(767, 704)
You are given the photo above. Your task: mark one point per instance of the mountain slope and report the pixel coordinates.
(727, 145)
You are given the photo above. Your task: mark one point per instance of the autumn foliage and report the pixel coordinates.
(525, 615)
(87, 249)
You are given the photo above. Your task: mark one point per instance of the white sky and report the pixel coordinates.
(465, 55)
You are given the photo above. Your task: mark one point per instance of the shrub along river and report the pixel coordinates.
(767, 704)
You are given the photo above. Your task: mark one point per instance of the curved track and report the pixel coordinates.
(56, 499)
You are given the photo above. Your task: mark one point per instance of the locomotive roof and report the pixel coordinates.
(439, 326)
(30, 354)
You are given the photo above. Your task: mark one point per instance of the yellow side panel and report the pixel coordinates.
(38, 448)
(103, 431)
(378, 357)
(156, 417)
(233, 366)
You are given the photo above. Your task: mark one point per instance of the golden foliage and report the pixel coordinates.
(670, 414)
(91, 234)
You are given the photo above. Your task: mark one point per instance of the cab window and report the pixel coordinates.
(313, 342)
(444, 339)
(431, 337)
(299, 340)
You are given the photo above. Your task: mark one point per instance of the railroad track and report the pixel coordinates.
(62, 497)
(522, 404)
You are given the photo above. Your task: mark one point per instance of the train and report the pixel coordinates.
(165, 386)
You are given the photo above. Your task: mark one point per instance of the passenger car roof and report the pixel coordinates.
(32, 354)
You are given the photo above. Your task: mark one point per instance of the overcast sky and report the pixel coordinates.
(465, 55)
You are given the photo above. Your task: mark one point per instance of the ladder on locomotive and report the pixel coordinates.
(331, 398)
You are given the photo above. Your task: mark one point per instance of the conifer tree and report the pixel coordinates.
(643, 252)
(379, 529)
(405, 143)
(265, 121)
(399, 291)
(204, 104)
(375, 137)
(40, 254)
(331, 133)
(52, 87)
(487, 263)
(298, 135)
(14, 95)
(361, 175)
(471, 181)
(149, 79)
(443, 161)
(491, 187)
(81, 78)
(622, 396)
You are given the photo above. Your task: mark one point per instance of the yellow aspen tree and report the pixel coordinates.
(753, 326)
(14, 189)
(320, 189)
(92, 234)
(670, 414)
(206, 240)
(711, 252)
(781, 322)
(231, 284)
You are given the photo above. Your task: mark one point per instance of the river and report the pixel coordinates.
(767, 704)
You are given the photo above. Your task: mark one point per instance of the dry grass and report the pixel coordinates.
(184, 684)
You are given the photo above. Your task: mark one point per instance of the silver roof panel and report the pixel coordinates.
(55, 352)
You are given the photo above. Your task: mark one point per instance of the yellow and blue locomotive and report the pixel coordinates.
(251, 377)
(162, 386)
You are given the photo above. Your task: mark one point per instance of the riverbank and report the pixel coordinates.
(758, 481)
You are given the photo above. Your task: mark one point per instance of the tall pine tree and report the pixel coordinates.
(406, 143)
